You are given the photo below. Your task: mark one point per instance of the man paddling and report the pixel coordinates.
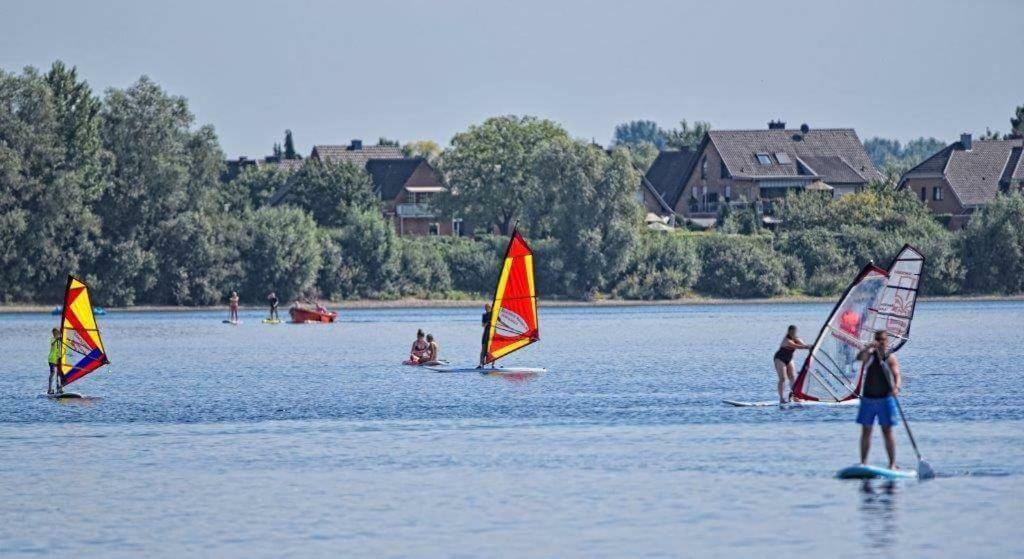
(878, 396)
(272, 298)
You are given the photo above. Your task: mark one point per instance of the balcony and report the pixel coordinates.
(763, 207)
(413, 210)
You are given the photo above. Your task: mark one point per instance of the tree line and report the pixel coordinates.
(124, 189)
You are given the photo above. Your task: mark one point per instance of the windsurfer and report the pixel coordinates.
(56, 352)
(486, 322)
(420, 351)
(272, 298)
(783, 360)
(878, 396)
(233, 304)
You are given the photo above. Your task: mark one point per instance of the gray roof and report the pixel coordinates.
(834, 155)
(390, 175)
(357, 156)
(668, 174)
(975, 175)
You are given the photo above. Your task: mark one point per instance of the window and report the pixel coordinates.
(924, 194)
(782, 158)
(728, 192)
(764, 159)
(936, 193)
(457, 227)
(434, 230)
(704, 169)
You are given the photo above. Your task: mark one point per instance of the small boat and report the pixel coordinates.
(302, 315)
(97, 311)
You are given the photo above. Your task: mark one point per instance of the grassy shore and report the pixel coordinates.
(472, 303)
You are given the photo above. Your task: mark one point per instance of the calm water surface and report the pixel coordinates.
(205, 439)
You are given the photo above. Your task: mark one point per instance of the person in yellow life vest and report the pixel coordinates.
(56, 355)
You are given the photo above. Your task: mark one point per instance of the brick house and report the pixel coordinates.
(405, 185)
(965, 176)
(754, 167)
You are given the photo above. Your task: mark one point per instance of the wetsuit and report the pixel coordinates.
(785, 355)
(485, 320)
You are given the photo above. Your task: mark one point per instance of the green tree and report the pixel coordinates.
(199, 258)
(1017, 123)
(427, 149)
(258, 184)
(993, 246)
(490, 170)
(636, 133)
(382, 141)
(687, 135)
(663, 265)
(595, 217)
(331, 191)
(369, 257)
(283, 255)
(740, 266)
(289, 146)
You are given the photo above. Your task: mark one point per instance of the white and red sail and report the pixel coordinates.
(513, 323)
(877, 299)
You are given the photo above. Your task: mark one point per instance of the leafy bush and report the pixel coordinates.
(737, 266)
(662, 266)
(993, 247)
(284, 255)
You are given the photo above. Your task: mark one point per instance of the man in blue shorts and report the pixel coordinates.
(878, 396)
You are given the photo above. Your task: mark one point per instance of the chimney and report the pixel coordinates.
(776, 125)
(804, 128)
(966, 141)
(356, 145)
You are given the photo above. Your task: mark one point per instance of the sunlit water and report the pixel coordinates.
(205, 439)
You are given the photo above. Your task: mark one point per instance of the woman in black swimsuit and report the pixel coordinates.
(784, 361)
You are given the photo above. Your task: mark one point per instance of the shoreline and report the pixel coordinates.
(374, 304)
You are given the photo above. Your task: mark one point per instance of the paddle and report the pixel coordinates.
(924, 469)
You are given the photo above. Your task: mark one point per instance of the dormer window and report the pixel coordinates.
(764, 159)
(782, 158)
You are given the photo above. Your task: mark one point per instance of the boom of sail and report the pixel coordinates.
(83, 350)
(877, 299)
(513, 323)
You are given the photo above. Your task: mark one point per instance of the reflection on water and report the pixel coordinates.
(878, 512)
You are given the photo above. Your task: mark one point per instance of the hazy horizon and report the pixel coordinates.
(422, 70)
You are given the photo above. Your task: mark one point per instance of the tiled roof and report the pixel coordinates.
(669, 172)
(975, 174)
(837, 150)
(357, 156)
(391, 175)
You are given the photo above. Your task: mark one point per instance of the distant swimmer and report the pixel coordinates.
(233, 304)
(486, 323)
(272, 298)
(783, 359)
(878, 396)
(56, 355)
(433, 350)
(420, 351)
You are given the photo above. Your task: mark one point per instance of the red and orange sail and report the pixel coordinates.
(513, 323)
(83, 350)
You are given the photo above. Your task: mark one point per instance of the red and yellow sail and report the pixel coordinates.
(83, 350)
(513, 323)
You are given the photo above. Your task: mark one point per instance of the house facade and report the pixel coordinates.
(744, 168)
(965, 176)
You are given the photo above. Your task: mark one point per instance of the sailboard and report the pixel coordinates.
(80, 338)
(878, 299)
(514, 321)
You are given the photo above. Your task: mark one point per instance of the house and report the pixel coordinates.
(965, 176)
(754, 167)
(405, 185)
(663, 183)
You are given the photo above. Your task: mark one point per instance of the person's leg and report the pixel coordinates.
(890, 445)
(791, 376)
(49, 381)
(865, 443)
(780, 371)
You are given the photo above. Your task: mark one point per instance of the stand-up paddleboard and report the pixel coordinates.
(271, 321)
(64, 396)
(438, 363)
(490, 370)
(795, 404)
(231, 322)
(860, 471)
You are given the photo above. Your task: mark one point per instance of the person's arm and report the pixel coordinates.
(863, 354)
(897, 379)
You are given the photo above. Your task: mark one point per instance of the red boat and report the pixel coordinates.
(303, 316)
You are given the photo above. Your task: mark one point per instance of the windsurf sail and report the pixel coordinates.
(83, 350)
(513, 323)
(877, 299)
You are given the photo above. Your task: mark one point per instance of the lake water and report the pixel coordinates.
(205, 439)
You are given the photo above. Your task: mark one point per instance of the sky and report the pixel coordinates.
(414, 70)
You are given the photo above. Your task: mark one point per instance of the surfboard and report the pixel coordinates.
(63, 396)
(800, 404)
(231, 322)
(859, 471)
(271, 321)
(437, 363)
(489, 370)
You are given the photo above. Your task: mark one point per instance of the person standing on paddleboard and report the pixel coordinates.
(56, 352)
(233, 307)
(783, 360)
(486, 321)
(272, 298)
(878, 396)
